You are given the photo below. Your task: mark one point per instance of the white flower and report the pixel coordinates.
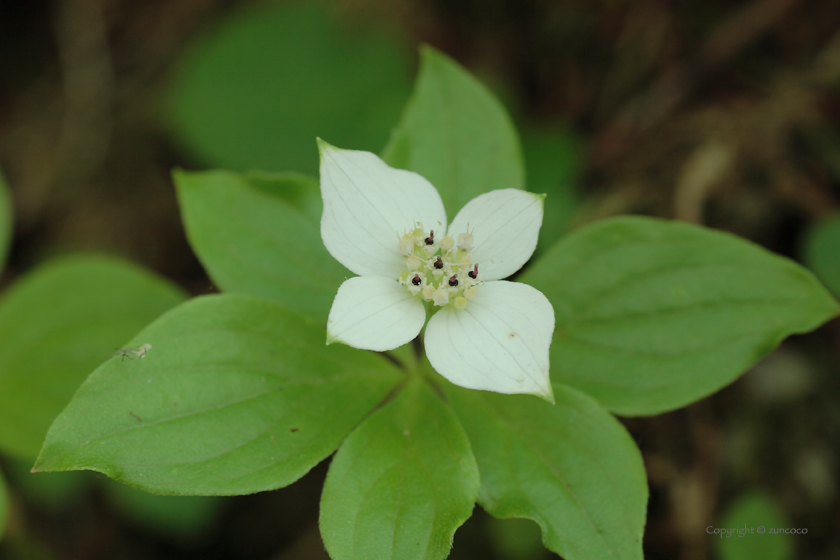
(389, 227)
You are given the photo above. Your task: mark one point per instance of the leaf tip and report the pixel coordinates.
(179, 173)
(427, 50)
(430, 56)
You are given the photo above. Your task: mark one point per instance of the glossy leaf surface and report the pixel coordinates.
(571, 467)
(236, 395)
(653, 315)
(258, 235)
(456, 134)
(401, 483)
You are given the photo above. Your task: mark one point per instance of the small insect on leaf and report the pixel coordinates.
(132, 353)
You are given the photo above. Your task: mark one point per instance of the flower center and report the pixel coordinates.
(439, 269)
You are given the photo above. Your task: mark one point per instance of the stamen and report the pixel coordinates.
(428, 292)
(440, 297)
(414, 263)
(406, 246)
(433, 266)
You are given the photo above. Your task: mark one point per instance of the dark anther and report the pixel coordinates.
(454, 280)
(416, 280)
(473, 273)
(439, 263)
(431, 239)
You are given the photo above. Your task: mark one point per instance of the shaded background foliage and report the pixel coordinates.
(723, 113)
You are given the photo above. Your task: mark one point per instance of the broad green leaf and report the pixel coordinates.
(5, 221)
(653, 315)
(571, 467)
(402, 482)
(172, 515)
(236, 395)
(256, 92)
(822, 251)
(56, 325)
(257, 235)
(753, 520)
(456, 134)
(301, 191)
(4, 506)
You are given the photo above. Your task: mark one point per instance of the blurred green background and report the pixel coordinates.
(724, 113)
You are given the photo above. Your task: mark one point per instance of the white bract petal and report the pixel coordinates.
(368, 206)
(502, 226)
(374, 313)
(498, 342)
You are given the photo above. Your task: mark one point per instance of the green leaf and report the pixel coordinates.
(822, 251)
(750, 514)
(402, 482)
(553, 159)
(652, 315)
(456, 134)
(5, 221)
(236, 395)
(257, 92)
(56, 325)
(301, 191)
(571, 467)
(258, 235)
(4, 506)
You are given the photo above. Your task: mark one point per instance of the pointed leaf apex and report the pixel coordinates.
(427, 50)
